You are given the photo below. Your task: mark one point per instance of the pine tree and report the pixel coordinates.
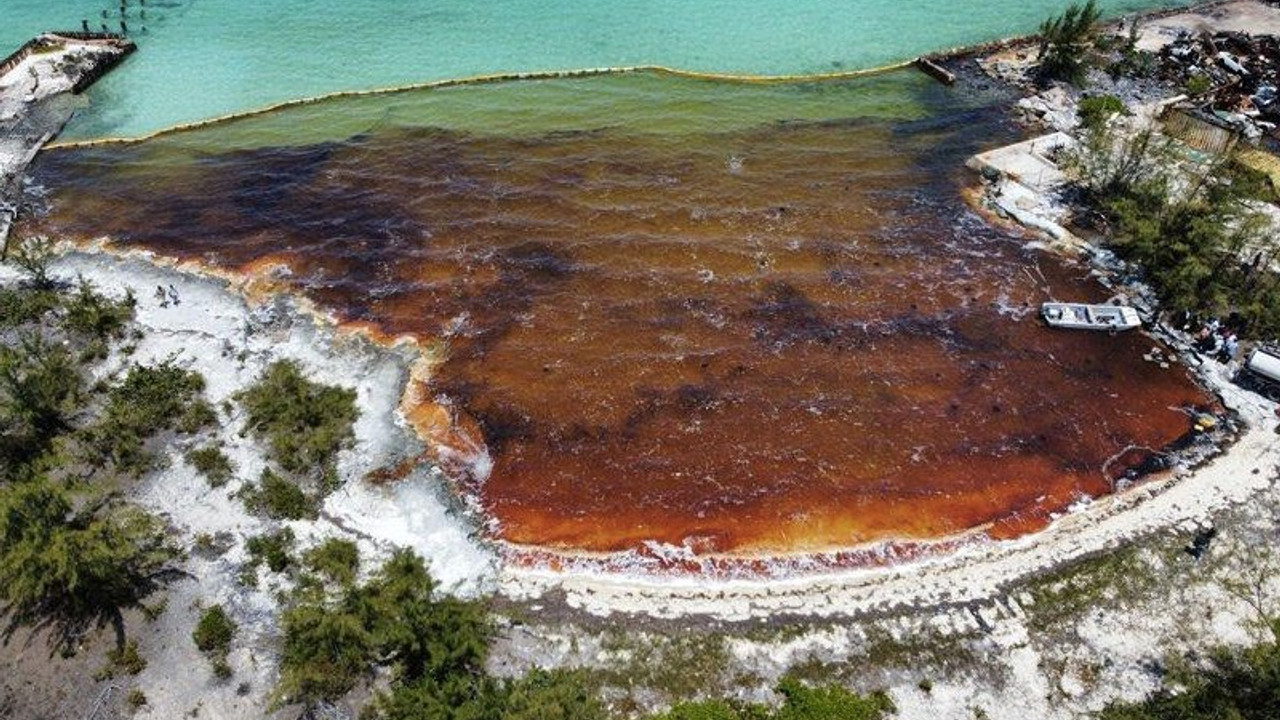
(1065, 40)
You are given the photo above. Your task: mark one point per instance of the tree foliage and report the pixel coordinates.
(151, 398)
(40, 388)
(551, 695)
(71, 555)
(72, 568)
(305, 423)
(1096, 110)
(32, 257)
(274, 549)
(335, 559)
(92, 314)
(1065, 42)
(1188, 225)
(394, 619)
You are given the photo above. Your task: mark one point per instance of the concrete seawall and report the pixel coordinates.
(34, 82)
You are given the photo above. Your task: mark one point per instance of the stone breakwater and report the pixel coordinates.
(36, 83)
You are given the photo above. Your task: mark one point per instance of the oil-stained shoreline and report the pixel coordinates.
(775, 339)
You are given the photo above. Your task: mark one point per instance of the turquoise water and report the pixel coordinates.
(204, 58)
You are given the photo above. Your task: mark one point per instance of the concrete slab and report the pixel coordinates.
(1027, 162)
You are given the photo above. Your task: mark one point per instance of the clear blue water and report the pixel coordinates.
(205, 58)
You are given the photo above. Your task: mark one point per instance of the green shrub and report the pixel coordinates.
(148, 400)
(136, 699)
(211, 462)
(125, 660)
(40, 387)
(274, 549)
(1198, 84)
(1096, 110)
(437, 645)
(305, 423)
(160, 396)
(1065, 42)
(326, 651)
(335, 559)
(33, 256)
(92, 314)
(551, 695)
(800, 702)
(214, 631)
(1241, 684)
(1186, 226)
(73, 568)
(280, 498)
(24, 305)
(810, 703)
(708, 710)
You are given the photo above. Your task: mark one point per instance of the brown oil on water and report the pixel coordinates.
(759, 341)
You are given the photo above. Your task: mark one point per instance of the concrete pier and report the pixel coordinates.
(36, 85)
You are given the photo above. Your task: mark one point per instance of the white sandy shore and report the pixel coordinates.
(214, 328)
(971, 595)
(975, 573)
(215, 332)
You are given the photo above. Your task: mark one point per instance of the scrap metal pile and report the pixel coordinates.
(1241, 74)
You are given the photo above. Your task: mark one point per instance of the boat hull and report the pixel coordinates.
(1082, 316)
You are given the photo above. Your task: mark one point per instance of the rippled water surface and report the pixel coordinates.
(722, 317)
(204, 58)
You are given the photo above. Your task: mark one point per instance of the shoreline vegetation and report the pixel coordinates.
(85, 426)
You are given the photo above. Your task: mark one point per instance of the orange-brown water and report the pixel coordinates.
(786, 338)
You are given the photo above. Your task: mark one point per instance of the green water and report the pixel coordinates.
(642, 102)
(204, 58)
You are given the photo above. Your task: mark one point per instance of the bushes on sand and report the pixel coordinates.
(1096, 110)
(1186, 223)
(1243, 684)
(800, 702)
(334, 560)
(149, 399)
(212, 463)
(214, 631)
(213, 635)
(274, 549)
(73, 566)
(280, 498)
(94, 315)
(305, 424)
(435, 644)
(41, 387)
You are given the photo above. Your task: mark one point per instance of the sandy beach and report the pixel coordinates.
(980, 596)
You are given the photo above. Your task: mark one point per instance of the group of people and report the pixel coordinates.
(165, 298)
(1217, 340)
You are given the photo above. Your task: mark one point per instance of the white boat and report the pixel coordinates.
(1080, 316)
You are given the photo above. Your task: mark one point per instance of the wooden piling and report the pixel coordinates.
(935, 71)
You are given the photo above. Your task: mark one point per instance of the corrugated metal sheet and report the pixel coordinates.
(1198, 132)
